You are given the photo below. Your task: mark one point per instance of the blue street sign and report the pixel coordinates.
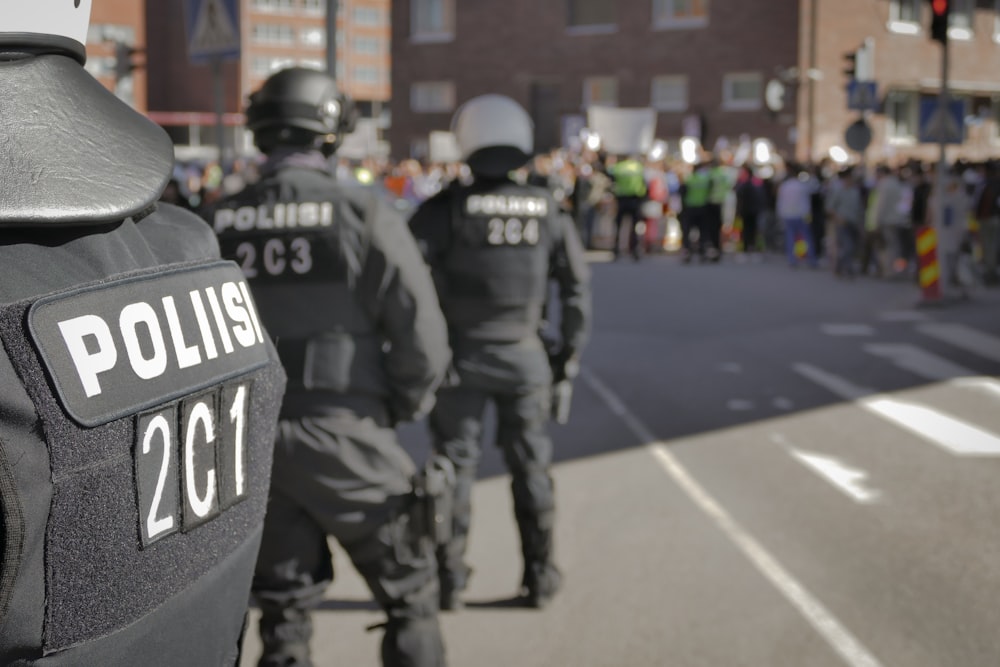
(862, 95)
(213, 29)
(937, 126)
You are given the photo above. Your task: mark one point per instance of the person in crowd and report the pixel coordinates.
(793, 209)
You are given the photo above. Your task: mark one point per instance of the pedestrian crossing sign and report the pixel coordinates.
(942, 124)
(213, 29)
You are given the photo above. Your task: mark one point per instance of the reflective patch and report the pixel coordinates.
(191, 461)
(287, 258)
(121, 347)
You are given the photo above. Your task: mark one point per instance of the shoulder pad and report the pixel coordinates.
(72, 153)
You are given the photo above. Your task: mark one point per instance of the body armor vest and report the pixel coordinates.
(496, 267)
(301, 240)
(135, 451)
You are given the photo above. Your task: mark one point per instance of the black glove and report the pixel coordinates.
(564, 364)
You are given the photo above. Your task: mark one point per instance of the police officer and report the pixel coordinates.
(138, 409)
(629, 187)
(342, 286)
(492, 246)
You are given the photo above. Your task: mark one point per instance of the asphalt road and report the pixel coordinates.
(765, 467)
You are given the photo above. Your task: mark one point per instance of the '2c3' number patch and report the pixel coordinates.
(191, 460)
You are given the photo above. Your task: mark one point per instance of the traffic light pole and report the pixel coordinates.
(941, 176)
(331, 38)
(220, 109)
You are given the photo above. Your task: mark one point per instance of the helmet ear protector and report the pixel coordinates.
(300, 107)
(52, 26)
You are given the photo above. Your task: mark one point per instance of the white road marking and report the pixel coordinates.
(982, 383)
(966, 338)
(903, 316)
(848, 330)
(848, 480)
(783, 403)
(947, 432)
(739, 405)
(824, 622)
(919, 361)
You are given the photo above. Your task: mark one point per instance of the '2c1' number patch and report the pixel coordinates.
(191, 460)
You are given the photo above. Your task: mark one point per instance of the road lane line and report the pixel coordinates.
(966, 338)
(824, 622)
(848, 329)
(947, 432)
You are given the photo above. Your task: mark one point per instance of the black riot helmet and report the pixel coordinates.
(300, 107)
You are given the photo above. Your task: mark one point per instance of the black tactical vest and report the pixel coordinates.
(301, 240)
(496, 267)
(137, 421)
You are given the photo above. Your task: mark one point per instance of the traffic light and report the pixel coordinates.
(939, 20)
(124, 60)
(851, 65)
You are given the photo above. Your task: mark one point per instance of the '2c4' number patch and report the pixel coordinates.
(513, 231)
(191, 460)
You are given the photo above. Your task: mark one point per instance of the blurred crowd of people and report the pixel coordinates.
(855, 220)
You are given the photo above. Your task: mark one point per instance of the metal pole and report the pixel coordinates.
(811, 99)
(220, 109)
(942, 167)
(331, 38)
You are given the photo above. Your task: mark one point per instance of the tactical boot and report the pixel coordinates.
(539, 585)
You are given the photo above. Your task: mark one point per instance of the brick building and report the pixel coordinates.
(123, 22)
(273, 34)
(704, 65)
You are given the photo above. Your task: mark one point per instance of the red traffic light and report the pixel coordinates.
(939, 7)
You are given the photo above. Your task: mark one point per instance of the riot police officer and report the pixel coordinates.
(493, 246)
(343, 288)
(138, 409)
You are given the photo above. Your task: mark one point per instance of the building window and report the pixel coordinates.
(369, 16)
(313, 37)
(432, 96)
(600, 91)
(263, 66)
(432, 20)
(996, 21)
(961, 19)
(314, 6)
(680, 13)
(742, 91)
(110, 32)
(669, 93)
(905, 16)
(902, 113)
(273, 5)
(272, 33)
(367, 45)
(367, 75)
(590, 16)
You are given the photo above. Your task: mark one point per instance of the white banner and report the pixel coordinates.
(623, 131)
(443, 148)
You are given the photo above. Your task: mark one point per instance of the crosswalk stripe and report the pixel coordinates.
(947, 432)
(966, 338)
(918, 361)
(938, 428)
